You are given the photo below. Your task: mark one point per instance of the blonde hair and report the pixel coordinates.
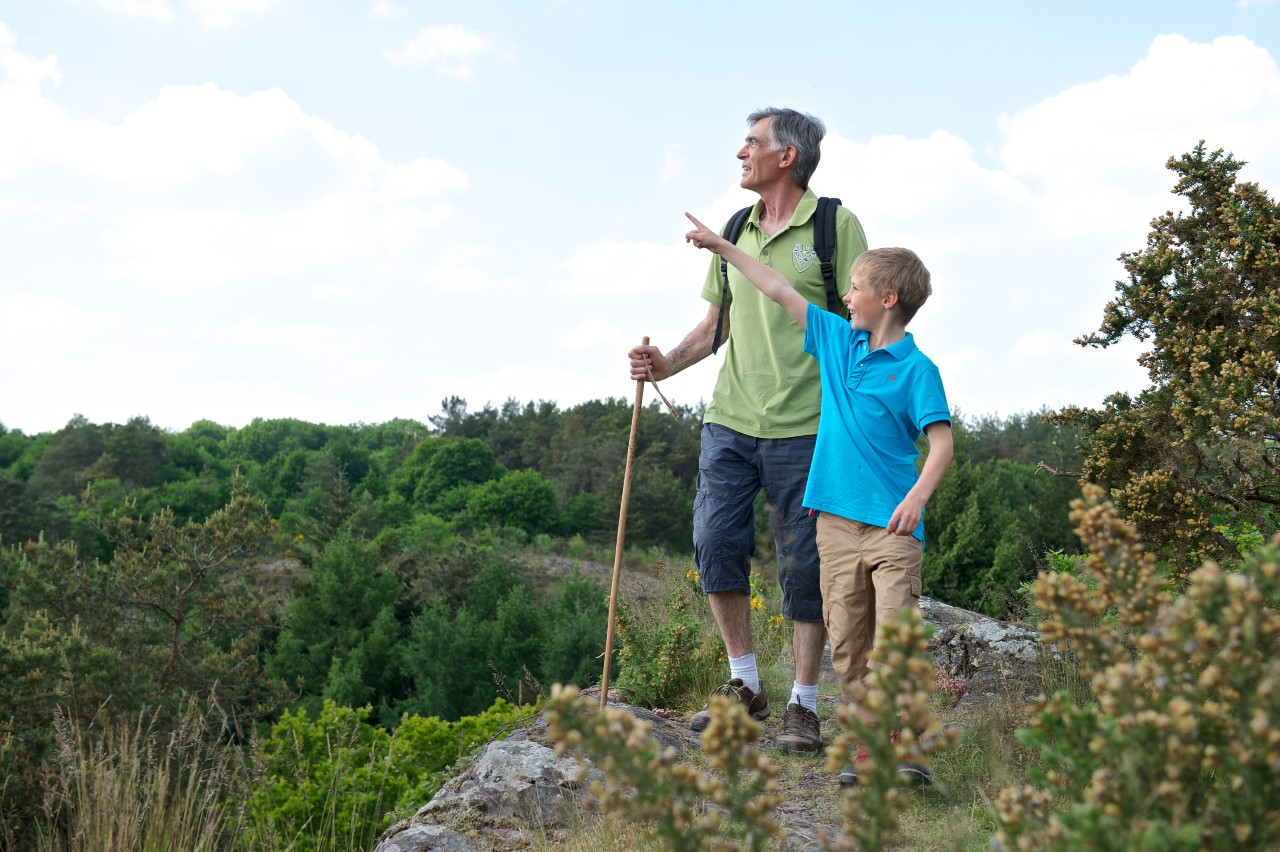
(899, 270)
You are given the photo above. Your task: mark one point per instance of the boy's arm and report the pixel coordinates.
(767, 280)
(906, 517)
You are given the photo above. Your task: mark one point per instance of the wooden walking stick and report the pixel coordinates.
(622, 530)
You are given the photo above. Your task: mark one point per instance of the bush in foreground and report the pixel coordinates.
(1179, 747)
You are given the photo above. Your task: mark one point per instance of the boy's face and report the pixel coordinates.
(866, 307)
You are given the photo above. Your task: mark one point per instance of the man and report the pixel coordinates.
(760, 428)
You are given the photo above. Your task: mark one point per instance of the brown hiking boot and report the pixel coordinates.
(757, 703)
(800, 730)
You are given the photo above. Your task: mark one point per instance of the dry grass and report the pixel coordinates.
(133, 787)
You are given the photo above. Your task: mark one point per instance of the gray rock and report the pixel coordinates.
(998, 660)
(427, 838)
(511, 788)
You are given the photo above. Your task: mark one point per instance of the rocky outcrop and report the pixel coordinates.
(513, 791)
(516, 790)
(996, 659)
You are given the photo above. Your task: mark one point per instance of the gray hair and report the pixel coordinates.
(799, 130)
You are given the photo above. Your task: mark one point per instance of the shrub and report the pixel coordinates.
(1179, 748)
(646, 783)
(335, 782)
(666, 654)
(895, 725)
(521, 499)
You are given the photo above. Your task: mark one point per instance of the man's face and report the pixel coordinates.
(760, 164)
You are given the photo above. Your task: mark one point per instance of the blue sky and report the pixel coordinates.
(346, 212)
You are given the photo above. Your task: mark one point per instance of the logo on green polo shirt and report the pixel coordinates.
(803, 257)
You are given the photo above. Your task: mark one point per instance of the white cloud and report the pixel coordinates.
(335, 293)
(449, 49)
(231, 255)
(1095, 153)
(465, 268)
(1023, 249)
(589, 333)
(383, 9)
(220, 14)
(188, 191)
(155, 10)
(1024, 252)
(635, 269)
(216, 14)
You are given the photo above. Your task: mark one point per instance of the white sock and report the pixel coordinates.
(744, 667)
(805, 696)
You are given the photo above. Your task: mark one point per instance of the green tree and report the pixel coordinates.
(439, 467)
(446, 658)
(46, 673)
(660, 510)
(1198, 451)
(189, 498)
(341, 629)
(137, 450)
(68, 454)
(20, 519)
(994, 515)
(577, 618)
(263, 439)
(452, 657)
(330, 782)
(520, 498)
(19, 452)
(177, 601)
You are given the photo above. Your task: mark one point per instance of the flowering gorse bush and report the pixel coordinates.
(1179, 748)
(663, 651)
(690, 808)
(671, 652)
(896, 725)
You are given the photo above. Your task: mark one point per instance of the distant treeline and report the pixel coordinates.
(533, 469)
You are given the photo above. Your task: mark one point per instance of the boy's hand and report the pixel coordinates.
(703, 237)
(906, 517)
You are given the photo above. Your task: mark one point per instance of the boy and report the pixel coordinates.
(879, 392)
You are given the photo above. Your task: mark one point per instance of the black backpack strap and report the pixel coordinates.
(824, 245)
(731, 231)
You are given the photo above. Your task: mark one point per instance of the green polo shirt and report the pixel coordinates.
(768, 387)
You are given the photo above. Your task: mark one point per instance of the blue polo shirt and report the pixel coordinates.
(875, 405)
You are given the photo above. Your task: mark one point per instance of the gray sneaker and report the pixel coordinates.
(757, 703)
(800, 730)
(915, 774)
